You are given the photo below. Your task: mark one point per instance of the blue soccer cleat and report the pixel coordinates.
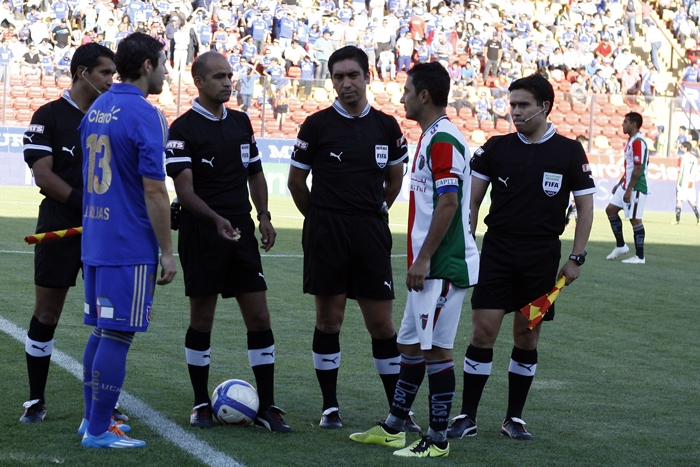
(113, 438)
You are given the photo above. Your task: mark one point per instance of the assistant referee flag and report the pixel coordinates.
(535, 310)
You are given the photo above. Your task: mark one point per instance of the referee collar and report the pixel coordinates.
(197, 107)
(339, 108)
(66, 96)
(551, 131)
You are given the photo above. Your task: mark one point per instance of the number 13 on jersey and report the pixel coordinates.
(96, 145)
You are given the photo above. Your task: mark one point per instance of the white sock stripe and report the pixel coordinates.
(524, 369)
(265, 356)
(329, 361)
(477, 368)
(38, 349)
(198, 357)
(388, 366)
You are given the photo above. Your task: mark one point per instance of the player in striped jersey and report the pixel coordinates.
(685, 187)
(443, 262)
(631, 191)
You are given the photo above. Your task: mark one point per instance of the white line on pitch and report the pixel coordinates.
(157, 422)
(264, 255)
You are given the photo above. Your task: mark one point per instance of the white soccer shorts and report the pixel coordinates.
(635, 208)
(431, 316)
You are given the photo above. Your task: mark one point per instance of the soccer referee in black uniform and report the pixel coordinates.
(356, 154)
(213, 159)
(52, 150)
(532, 173)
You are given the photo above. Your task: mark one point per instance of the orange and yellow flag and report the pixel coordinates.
(535, 310)
(55, 235)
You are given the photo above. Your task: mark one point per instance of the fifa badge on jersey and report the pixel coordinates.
(105, 309)
(381, 155)
(34, 128)
(551, 183)
(245, 154)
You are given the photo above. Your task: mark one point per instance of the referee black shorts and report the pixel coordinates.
(513, 273)
(212, 265)
(347, 255)
(57, 263)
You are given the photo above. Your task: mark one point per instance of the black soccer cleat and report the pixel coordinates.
(201, 416)
(411, 426)
(514, 427)
(331, 419)
(271, 419)
(34, 412)
(462, 426)
(118, 415)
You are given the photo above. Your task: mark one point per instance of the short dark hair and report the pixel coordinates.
(133, 51)
(349, 52)
(539, 86)
(88, 56)
(635, 118)
(431, 77)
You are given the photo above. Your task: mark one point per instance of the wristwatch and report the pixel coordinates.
(579, 259)
(264, 212)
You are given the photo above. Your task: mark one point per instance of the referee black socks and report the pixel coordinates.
(523, 364)
(326, 353)
(477, 369)
(261, 354)
(38, 347)
(387, 362)
(198, 353)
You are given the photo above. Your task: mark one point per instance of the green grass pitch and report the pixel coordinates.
(616, 384)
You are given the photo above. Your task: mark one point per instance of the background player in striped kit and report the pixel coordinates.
(685, 186)
(630, 193)
(443, 262)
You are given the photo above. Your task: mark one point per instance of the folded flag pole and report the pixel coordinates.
(535, 310)
(55, 235)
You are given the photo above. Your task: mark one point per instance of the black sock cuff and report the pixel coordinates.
(260, 339)
(325, 343)
(615, 217)
(385, 348)
(40, 332)
(197, 340)
(527, 357)
(478, 354)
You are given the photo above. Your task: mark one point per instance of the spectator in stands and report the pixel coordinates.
(247, 79)
(275, 74)
(482, 108)
(306, 80)
(404, 50)
(386, 63)
(423, 51)
(598, 82)
(293, 54)
(501, 109)
(691, 72)
(63, 66)
(655, 38)
(323, 49)
(61, 37)
(459, 97)
(281, 104)
(45, 48)
(6, 57)
(469, 74)
(578, 93)
(494, 53)
(351, 34)
(30, 64)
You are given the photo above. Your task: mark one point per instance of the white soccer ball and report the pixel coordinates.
(235, 402)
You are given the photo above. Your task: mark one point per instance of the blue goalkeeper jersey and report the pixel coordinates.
(123, 139)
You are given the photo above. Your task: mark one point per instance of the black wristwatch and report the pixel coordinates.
(264, 212)
(579, 259)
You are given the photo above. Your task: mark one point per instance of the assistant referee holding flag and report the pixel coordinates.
(532, 173)
(356, 154)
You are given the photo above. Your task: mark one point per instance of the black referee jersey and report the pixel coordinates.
(530, 183)
(53, 131)
(221, 153)
(348, 157)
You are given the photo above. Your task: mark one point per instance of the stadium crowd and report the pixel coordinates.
(584, 47)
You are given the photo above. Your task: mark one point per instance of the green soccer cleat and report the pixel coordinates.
(425, 447)
(378, 435)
